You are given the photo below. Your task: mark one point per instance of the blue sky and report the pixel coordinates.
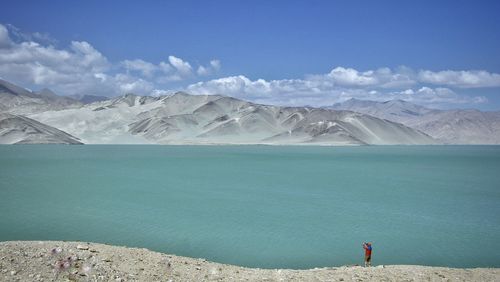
(437, 53)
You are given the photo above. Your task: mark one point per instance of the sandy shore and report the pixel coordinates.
(79, 261)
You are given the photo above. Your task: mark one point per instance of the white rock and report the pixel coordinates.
(82, 247)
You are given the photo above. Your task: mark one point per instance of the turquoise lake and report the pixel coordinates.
(261, 206)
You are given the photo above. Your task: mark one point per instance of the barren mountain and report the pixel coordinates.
(448, 126)
(206, 119)
(18, 100)
(15, 129)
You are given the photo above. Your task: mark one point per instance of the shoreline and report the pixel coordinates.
(83, 261)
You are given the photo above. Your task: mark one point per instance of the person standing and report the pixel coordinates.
(368, 254)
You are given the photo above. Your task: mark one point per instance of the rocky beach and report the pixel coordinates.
(81, 261)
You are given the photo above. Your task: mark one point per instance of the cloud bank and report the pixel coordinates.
(32, 59)
(82, 69)
(341, 84)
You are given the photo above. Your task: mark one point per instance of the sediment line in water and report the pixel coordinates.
(81, 261)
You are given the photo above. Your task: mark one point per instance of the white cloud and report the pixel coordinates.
(19, 36)
(183, 67)
(80, 68)
(321, 91)
(203, 71)
(212, 68)
(160, 92)
(145, 68)
(175, 69)
(32, 63)
(129, 84)
(462, 79)
(435, 96)
(4, 37)
(165, 67)
(352, 77)
(215, 64)
(382, 77)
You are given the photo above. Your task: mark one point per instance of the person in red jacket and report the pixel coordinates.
(368, 253)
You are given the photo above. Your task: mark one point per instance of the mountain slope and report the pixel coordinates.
(206, 119)
(395, 110)
(17, 100)
(15, 129)
(88, 99)
(448, 126)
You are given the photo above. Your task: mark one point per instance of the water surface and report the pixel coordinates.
(261, 206)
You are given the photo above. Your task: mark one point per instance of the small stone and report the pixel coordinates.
(198, 268)
(13, 272)
(82, 247)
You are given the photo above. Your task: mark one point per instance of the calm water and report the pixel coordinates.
(261, 206)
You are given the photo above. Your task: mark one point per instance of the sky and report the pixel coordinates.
(441, 54)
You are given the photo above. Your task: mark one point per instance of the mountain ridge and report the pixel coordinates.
(182, 118)
(458, 126)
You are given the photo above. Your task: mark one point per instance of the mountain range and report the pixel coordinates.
(181, 118)
(459, 126)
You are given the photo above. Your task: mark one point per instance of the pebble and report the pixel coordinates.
(82, 247)
(154, 266)
(13, 272)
